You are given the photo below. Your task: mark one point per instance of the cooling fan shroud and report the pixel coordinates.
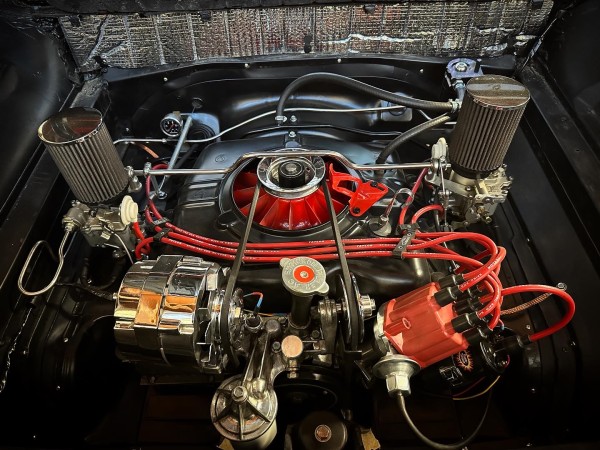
(283, 214)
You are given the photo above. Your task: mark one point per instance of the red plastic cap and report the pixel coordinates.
(420, 329)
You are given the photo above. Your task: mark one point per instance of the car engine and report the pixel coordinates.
(301, 208)
(309, 255)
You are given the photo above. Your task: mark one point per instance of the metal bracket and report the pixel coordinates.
(411, 231)
(160, 222)
(366, 193)
(161, 234)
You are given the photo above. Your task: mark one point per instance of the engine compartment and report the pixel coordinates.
(290, 345)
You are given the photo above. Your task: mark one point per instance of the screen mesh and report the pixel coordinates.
(432, 28)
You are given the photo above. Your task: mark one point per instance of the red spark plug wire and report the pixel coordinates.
(570, 304)
(135, 226)
(475, 271)
(234, 245)
(416, 216)
(137, 231)
(414, 191)
(143, 247)
(477, 275)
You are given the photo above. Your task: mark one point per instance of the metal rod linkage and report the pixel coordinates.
(285, 153)
(175, 155)
(61, 261)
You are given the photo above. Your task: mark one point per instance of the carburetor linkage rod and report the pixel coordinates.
(148, 171)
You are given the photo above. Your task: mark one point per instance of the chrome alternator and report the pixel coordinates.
(170, 312)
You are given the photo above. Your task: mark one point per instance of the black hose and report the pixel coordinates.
(408, 135)
(100, 294)
(115, 274)
(359, 86)
(187, 155)
(457, 445)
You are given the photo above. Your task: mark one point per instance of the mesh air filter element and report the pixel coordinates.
(488, 119)
(82, 149)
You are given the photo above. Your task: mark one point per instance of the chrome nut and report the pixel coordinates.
(397, 382)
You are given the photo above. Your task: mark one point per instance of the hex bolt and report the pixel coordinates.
(239, 394)
(461, 66)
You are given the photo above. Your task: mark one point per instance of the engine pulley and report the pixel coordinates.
(290, 178)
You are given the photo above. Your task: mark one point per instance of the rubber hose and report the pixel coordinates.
(359, 86)
(116, 273)
(408, 135)
(457, 445)
(100, 294)
(185, 157)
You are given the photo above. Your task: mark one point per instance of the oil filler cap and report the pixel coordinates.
(303, 276)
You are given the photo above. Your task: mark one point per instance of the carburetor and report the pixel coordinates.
(488, 119)
(105, 226)
(470, 199)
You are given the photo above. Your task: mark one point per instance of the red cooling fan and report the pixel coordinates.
(280, 213)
